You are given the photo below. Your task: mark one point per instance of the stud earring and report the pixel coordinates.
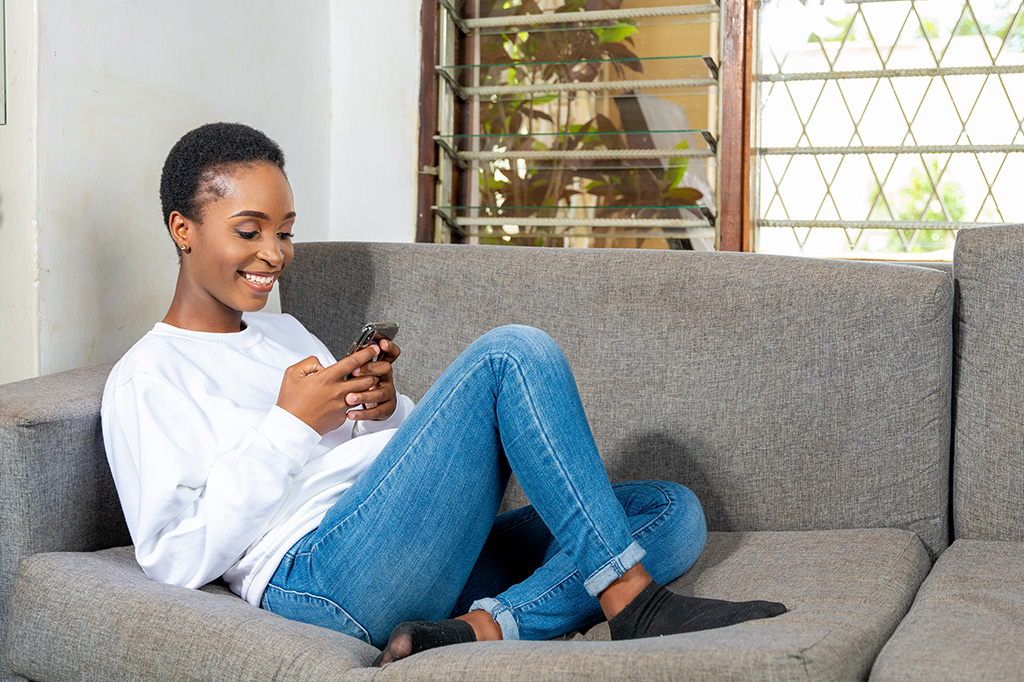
(184, 249)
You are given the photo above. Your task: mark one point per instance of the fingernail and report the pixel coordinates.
(356, 372)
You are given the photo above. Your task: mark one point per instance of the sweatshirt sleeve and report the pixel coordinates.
(194, 506)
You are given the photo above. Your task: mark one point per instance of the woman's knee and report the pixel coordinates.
(518, 334)
(521, 341)
(674, 531)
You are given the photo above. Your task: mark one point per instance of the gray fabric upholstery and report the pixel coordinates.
(56, 492)
(988, 494)
(967, 621)
(789, 394)
(71, 610)
(846, 590)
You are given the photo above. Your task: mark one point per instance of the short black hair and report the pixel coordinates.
(190, 172)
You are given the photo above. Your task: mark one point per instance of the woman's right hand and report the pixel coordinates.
(316, 394)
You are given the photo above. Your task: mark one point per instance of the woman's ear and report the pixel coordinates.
(180, 228)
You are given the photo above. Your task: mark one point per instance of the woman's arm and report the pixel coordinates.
(193, 502)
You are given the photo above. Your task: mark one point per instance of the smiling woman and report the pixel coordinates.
(233, 256)
(242, 449)
(230, 213)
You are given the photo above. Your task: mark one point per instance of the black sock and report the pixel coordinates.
(656, 611)
(415, 636)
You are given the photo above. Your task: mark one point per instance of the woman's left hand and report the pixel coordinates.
(380, 401)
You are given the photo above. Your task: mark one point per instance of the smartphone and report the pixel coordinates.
(371, 332)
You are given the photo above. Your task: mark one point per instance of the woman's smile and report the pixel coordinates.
(263, 283)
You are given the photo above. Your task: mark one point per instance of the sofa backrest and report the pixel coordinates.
(788, 393)
(988, 452)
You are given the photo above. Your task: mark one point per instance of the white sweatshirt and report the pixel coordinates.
(214, 478)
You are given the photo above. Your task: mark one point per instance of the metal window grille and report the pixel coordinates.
(884, 126)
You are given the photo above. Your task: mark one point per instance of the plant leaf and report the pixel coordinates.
(625, 55)
(615, 34)
(688, 195)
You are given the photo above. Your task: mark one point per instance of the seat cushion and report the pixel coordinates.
(95, 616)
(967, 621)
(846, 591)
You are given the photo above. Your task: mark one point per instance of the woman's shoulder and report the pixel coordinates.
(158, 350)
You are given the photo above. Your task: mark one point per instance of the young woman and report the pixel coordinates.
(242, 449)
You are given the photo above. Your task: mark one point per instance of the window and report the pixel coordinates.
(840, 128)
(576, 123)
(883, 127)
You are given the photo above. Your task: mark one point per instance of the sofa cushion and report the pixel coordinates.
(967, 621)
(988, 461)
(95, 616)
(846, 591)
(788, 393)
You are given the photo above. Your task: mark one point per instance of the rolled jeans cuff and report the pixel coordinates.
(502, 615)
(613, 570)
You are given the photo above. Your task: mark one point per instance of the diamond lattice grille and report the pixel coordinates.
(883, 127)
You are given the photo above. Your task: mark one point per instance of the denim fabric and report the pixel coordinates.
(418, 536)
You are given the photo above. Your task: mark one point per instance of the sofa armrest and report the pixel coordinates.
(56, 491)
(95, 616)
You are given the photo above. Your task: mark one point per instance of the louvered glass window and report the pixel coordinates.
(578, 123)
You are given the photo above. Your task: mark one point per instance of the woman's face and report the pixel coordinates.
(240, 248)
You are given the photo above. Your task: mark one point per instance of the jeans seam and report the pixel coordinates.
(564, 474)
(653, 522)
(659, 518)
(537, 599)
(317, 597)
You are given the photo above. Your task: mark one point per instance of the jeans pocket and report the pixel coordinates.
(312, 609)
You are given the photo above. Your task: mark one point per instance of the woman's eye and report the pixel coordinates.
(246, 235)
(285, 235)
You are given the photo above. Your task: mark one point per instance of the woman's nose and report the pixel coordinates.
(271, 253)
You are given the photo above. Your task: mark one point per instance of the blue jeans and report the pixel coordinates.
(418, 536)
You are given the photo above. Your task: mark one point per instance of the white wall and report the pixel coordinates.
(119, 82)
(375, 126)
(19, 329)
(87, 266)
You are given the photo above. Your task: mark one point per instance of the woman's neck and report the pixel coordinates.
(199, 323)
(202, 314)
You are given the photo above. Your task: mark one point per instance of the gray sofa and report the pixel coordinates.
(808, 403)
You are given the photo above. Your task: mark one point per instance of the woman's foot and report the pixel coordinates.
(415, 636)
(656, 611)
